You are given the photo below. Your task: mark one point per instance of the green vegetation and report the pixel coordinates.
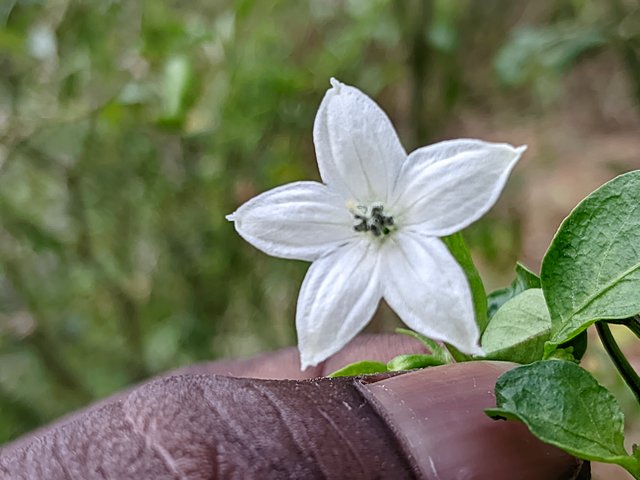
(563, 405)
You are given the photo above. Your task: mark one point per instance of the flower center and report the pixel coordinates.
(371, 218)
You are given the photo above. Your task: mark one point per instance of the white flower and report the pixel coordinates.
(371, 229)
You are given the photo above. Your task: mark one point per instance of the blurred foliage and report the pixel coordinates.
(534, 54)
(537, 56)
(130, 128)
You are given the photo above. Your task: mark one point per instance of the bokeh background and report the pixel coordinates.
(128, 129)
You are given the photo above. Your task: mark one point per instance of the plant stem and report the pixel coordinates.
(627, 48)
(628, 373)
(631, 464)
(460, 251)
(412, 17)
(634, 325)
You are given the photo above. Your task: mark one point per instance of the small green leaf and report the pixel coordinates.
(565, 354)
(592, 268)
(458, 248)
(577, 346)
(563, 405)
(360, 368)
(413, 361)
(524, 280)
(436, 349)
(518, 330)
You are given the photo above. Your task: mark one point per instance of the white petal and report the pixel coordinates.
(301, 220)
(444, 194)
(338, 297)
(428, 290)
(450, 148)
(358, 150)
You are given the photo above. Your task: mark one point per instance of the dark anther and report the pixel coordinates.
(372, 220)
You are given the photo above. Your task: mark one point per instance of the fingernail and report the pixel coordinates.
(437, 416)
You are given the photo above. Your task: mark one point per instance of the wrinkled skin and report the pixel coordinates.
(206, 422)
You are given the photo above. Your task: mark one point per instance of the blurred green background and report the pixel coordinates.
(130, 128)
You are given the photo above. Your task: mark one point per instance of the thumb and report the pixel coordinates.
(424, 424)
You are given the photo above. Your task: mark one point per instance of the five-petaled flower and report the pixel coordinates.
(371, 229)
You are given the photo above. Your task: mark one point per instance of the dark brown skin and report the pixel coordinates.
(197, 424)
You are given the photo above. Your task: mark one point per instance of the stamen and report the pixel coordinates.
(372, 219)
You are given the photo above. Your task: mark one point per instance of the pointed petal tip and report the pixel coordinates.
(306, 362)
(474, 350)
(521, 149)
(231, 217)
(335, 84)
(477, 351)
(470, 345)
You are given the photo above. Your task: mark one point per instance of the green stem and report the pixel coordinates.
(627, 48)
(460, 251)
(411, 17)
(631, 464)
(628, 373)
(634, 325)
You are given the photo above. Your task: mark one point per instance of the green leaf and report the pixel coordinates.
(563, 405)
(518, 330)
(360, 368)
(592, 268)
(458, 248)
(413, 361)
(524, 280)
(436, 349)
